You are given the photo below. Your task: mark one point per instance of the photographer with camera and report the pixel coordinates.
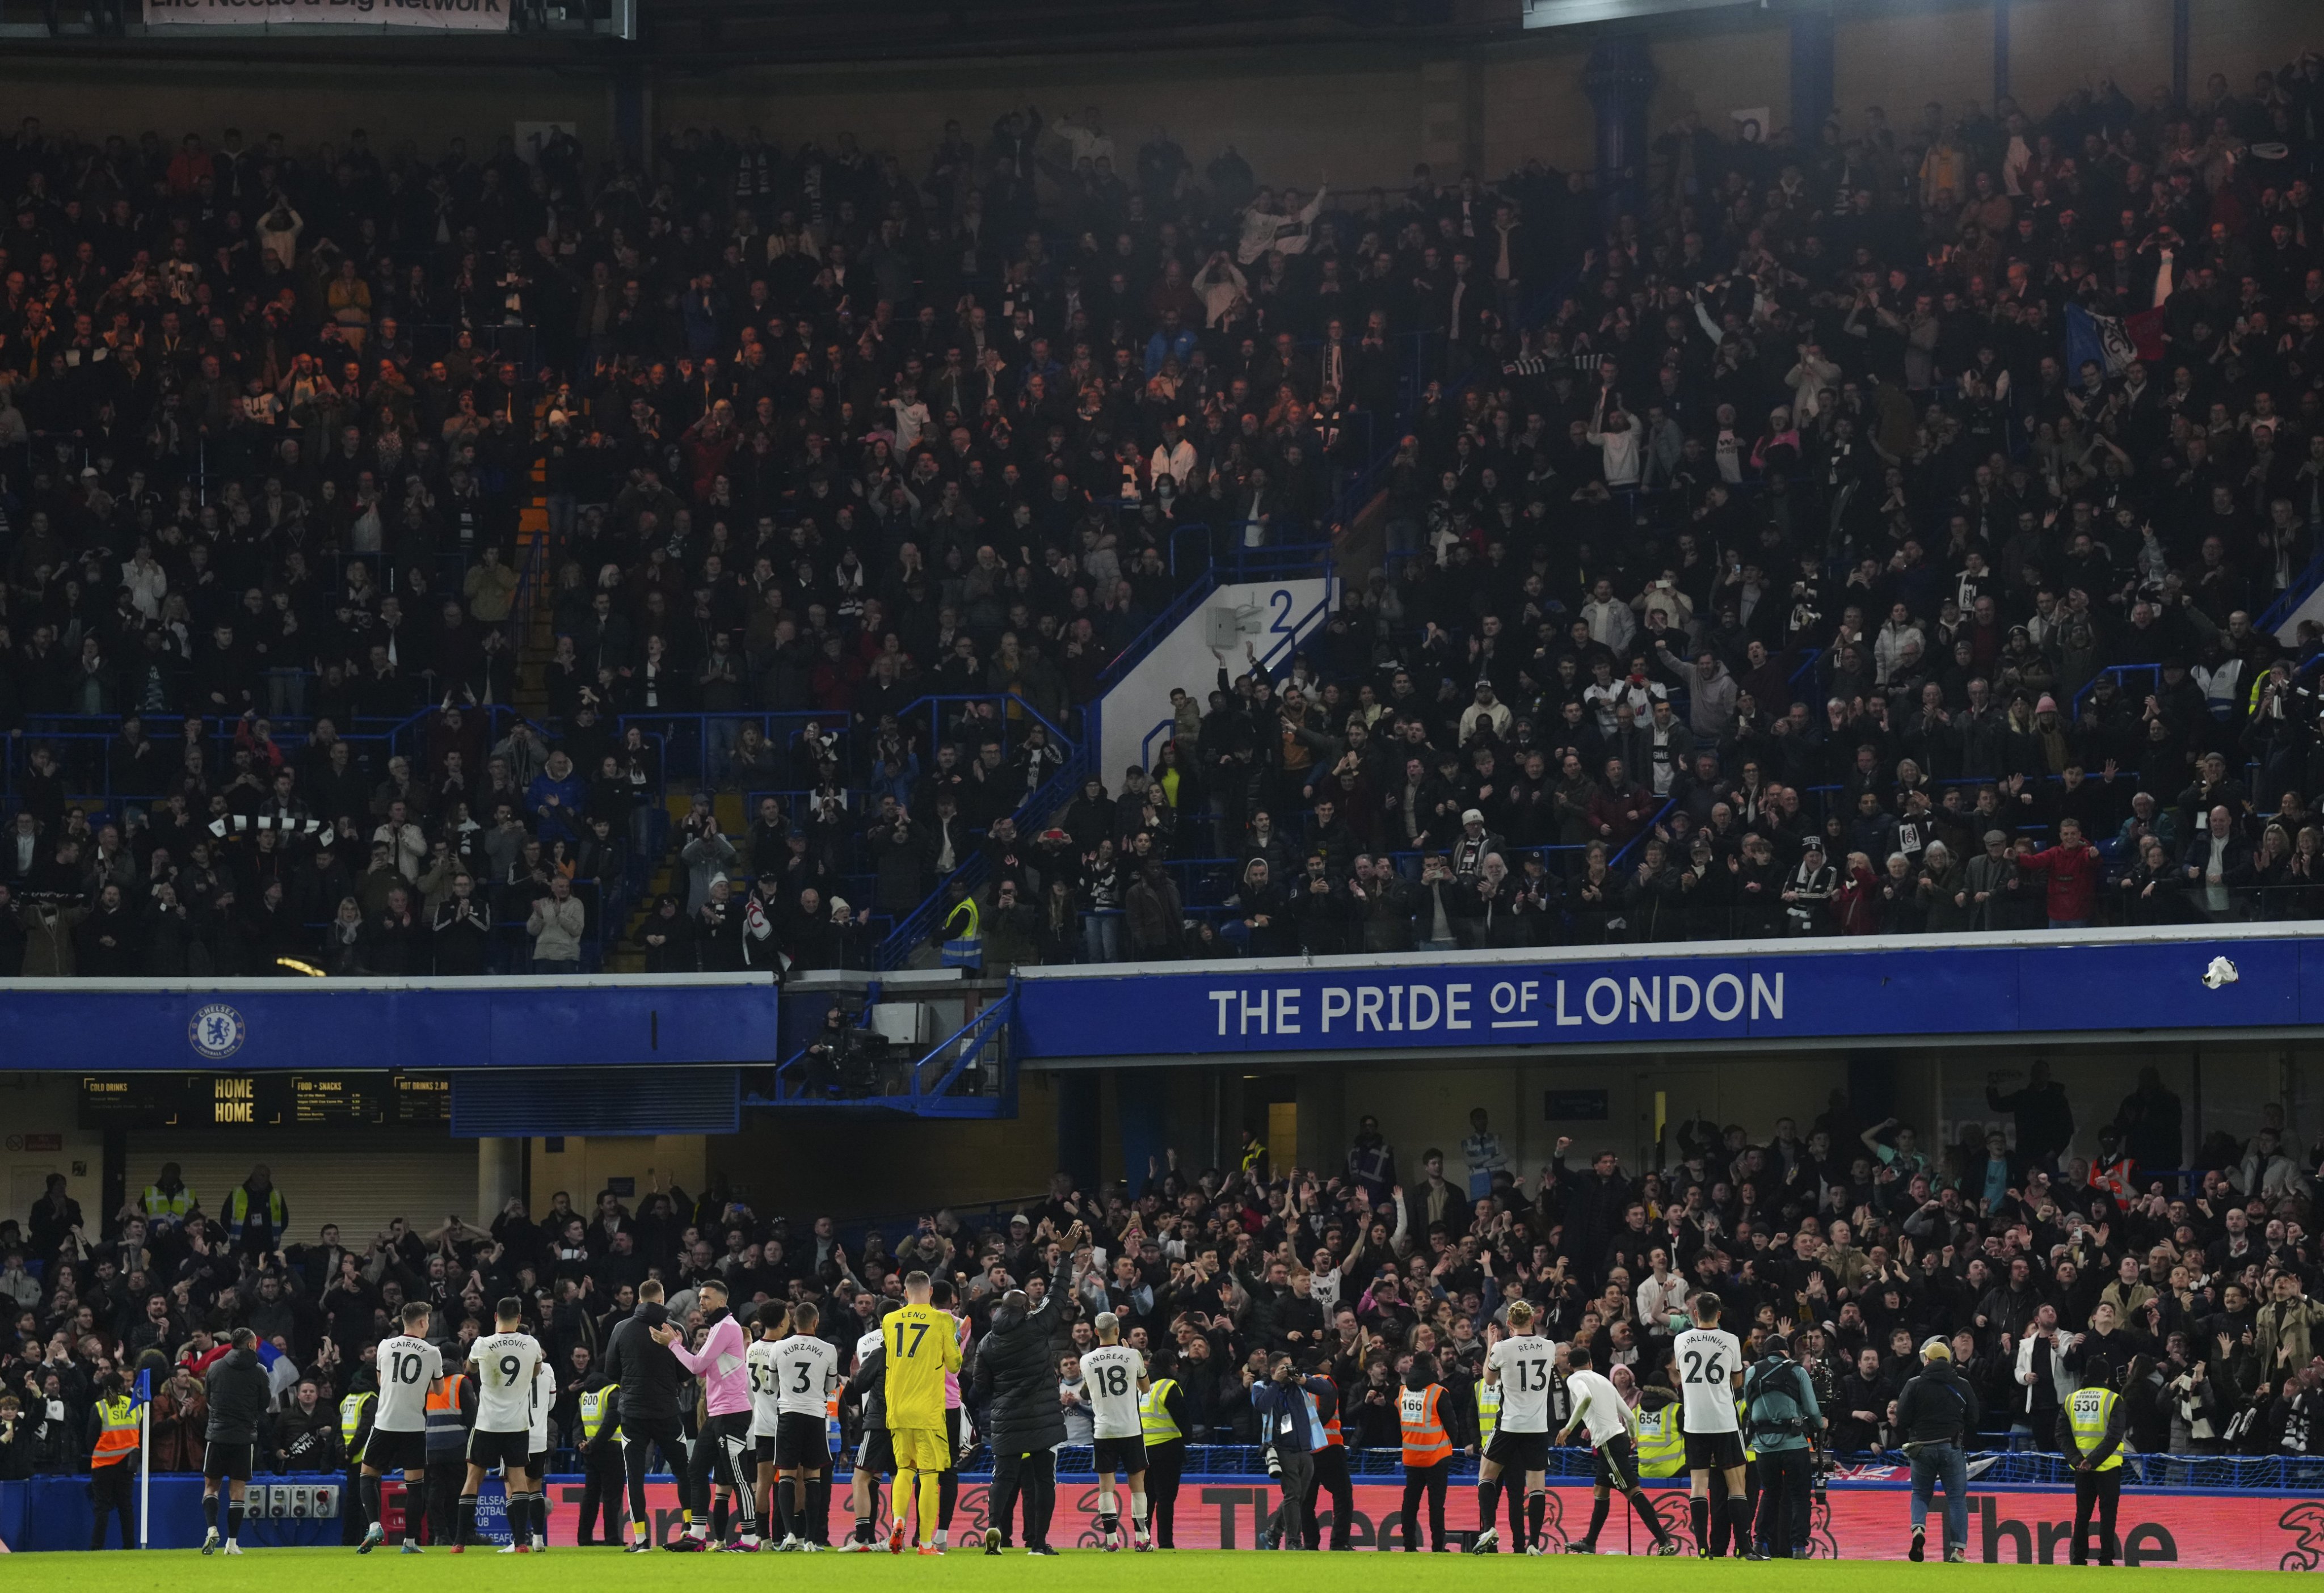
(1784, 1414)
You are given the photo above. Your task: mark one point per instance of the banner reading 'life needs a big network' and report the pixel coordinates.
(459, 16)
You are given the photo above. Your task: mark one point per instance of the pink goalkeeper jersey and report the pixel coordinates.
(722, 1366)
(952, 1380)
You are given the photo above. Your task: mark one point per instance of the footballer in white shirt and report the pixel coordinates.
(503, 1362)
(806, 1374)
(1113, 1378)
(408, 1366)
(1599, 1409)
(1708, 1362)
(1522, 1366)
(768, 1327)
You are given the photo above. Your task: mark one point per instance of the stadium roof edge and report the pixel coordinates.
(1786, 946)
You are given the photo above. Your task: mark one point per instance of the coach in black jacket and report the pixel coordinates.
(648, 1374)
(1016, 1386)
(239, 1393)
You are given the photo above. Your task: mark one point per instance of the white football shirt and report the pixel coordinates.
(1110, 1376)
(544, 1396)
(765, 1385)
(807, 1370)
(1708, 1359)
(407, 1367)
(504, 1363)
(1526, 1364)
(1599, 1404)
(865, 1348)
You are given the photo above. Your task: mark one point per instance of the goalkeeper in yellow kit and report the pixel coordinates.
(919, 1344)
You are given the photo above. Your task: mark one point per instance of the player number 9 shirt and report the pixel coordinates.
(504, 1366)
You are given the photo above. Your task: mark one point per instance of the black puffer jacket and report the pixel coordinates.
(1016, 1384)
(1937, 1406)
(239, 1394)
(647, 1372)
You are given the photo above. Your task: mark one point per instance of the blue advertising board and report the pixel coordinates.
(1682, 995)
(439, 1025)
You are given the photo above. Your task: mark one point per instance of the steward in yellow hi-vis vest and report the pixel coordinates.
(1662, 1447)
(2091, 1436)
(114, 1422)
(1162, 1414)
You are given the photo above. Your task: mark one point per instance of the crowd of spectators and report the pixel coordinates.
(1865, 530)
(1800, 575)
(1754, 556)
(2034, 1247)
(815, 438)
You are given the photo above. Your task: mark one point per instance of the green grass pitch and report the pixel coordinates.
(572, 1570)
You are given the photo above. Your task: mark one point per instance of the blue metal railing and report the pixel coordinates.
(1241, 563)
(2120, 674)
(81, 742)
(1164, 623)
(1278, 561)
(693, 742)
(531, 589)
(918, 925)
(2303, 587)
(951, 1079)
(1622, 856)
(1202, 879)
(1007, 703)
(1179, 533)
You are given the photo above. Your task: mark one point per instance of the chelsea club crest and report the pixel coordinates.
(218, 1031)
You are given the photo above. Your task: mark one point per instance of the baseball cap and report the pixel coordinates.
(1473, 816)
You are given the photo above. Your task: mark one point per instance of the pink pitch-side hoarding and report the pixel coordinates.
(1861, 1520)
